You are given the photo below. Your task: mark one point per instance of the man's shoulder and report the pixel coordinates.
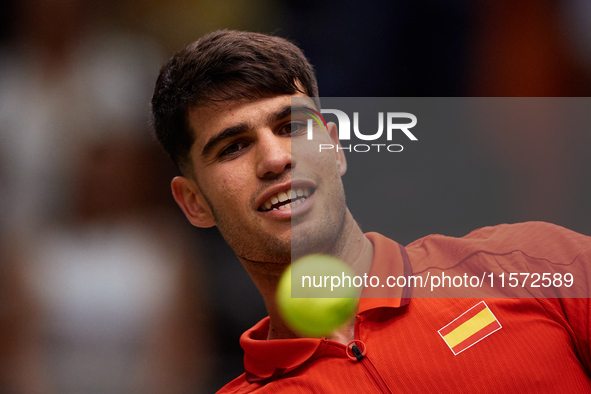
(242, 386)
(534, 239)
(523, 231)
(238, 386)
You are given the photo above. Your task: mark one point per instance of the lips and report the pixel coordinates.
(286, 199)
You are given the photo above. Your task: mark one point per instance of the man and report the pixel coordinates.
(222, 110)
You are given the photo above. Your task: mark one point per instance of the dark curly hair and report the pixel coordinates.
(221, 66)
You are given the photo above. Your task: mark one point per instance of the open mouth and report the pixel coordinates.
(286, 199)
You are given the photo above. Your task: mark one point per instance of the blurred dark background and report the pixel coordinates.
(104, 287)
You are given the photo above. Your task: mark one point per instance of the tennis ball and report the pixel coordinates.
(324, 297)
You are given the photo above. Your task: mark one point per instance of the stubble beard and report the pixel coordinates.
(251, 245)
(264, 248)
(324, 234)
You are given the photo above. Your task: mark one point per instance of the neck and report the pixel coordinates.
(351, 246)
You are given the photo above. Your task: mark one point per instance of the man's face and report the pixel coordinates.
(245, 170)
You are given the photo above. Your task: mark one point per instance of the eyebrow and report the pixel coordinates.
(225, 134)
(241, 128)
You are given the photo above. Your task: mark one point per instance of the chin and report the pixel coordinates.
(310, 242)
(318, 236)
(270, 250)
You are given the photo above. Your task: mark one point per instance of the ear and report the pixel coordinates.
(188, 195)
(333, 132)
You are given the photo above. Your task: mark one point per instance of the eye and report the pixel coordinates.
(233, 148)
(294, 128)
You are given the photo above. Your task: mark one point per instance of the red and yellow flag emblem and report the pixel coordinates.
(470, 327)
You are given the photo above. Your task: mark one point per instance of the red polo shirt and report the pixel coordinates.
(527, 345)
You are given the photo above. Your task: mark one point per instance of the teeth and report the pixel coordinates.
(291, 194)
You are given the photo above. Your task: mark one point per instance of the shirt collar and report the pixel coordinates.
(268, 359)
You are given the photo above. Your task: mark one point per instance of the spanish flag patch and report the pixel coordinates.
(470, 327)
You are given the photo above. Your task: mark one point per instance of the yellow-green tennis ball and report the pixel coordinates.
(316, 295)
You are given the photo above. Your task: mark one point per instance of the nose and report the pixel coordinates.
(273, 156)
